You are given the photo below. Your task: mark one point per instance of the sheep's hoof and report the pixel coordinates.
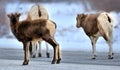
(33, 56)
(39, 55)
(93, 58)
(48, 55)
(54, 62)
(58, 61)
(25, 62)
(110, 57)
(112, 53)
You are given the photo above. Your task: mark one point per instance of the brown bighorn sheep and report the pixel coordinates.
(38, 12)
(31, 30)
(96, 25)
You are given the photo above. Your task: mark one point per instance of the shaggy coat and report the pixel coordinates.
(96, 25)
(27, 31)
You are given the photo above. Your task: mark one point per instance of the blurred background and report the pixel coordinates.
(63, 12)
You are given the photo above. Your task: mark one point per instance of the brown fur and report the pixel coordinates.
(91, 23)
(30, 30)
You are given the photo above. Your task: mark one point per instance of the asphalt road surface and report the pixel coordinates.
(11, 59)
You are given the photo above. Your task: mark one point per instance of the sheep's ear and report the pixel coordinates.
(78, 15)
(17, 14)
(83, 14)
(8, 15)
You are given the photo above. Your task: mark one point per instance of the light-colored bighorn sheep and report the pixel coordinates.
(96, 25)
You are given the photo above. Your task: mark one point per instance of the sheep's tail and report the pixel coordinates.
(39, 12)
(110, 18)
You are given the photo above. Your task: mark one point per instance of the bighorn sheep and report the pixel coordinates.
(31, 30)
(38, 12)
(96, 25)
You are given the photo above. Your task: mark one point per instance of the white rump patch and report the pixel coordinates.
(104, 23)
(34, 14)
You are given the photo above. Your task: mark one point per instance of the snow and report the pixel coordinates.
(67, 35)
(14, 65)
(10, 43)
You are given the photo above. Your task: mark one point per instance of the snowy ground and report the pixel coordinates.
(71, 60)
(13, 65)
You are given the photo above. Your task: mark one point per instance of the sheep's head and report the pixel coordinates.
(80, 18)
(14, 18)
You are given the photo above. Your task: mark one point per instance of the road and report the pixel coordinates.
(11, 59)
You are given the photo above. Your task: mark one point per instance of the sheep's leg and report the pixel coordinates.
(26, 53)
(59, 52)
(47, 51)
(55, 47)
(109, 41)
(30, 48)
(110, 56)
(40, 52)
(34, 49)
(93, 41)
(59, 55)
